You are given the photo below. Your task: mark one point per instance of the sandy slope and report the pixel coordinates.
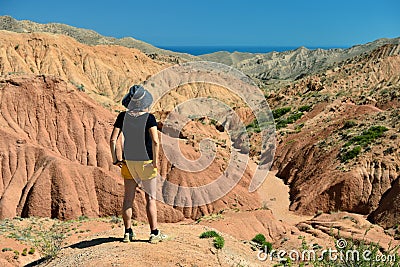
(98, 243)
(184, 249)
(275, 196)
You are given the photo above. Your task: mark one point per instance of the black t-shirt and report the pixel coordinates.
(137, 143)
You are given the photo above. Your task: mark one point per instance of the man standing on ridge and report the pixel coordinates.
(140, 157)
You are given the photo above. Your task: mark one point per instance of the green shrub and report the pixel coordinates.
(298, 127)
(24, 234)
(219, 242)
(368, 136)
(262, 244)
(362, 140)
(254, 126)
(6, 249)
(294, 117)
(31, 251)
(305, 108)
(259, 239)
(24, 252)
(266, 247)
(209, 234)
(280, 123)
(279, 112)
(49, 241)
(351, 154)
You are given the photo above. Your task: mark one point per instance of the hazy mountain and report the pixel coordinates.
(89, 37)
(293, 64)
(227, 58)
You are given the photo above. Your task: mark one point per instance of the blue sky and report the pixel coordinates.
(221, 22)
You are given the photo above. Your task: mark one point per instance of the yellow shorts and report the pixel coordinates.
(143, 170)
(125, 173)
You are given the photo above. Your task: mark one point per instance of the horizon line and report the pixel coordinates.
(239, 45)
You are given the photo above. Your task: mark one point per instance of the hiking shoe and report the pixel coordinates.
(157, 238)
(129, 237)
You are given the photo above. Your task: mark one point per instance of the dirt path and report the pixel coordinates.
(184, 248)
(275, 196)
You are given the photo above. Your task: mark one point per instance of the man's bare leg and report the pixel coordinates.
(149, 187)
(129, 196)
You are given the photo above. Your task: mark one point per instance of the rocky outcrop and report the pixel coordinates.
(55, 159)
(312, 157)
(349, 226)
(105, 72)
(345, 103)
(388, 209)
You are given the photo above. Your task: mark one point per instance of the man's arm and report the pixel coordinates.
(155, 144)
(113, 146)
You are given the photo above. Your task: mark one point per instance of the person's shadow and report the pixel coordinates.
(101, 240)
(94, 242)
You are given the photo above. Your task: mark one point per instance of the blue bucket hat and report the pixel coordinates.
(137, 98)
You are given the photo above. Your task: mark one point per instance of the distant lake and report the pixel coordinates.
(201, 50)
